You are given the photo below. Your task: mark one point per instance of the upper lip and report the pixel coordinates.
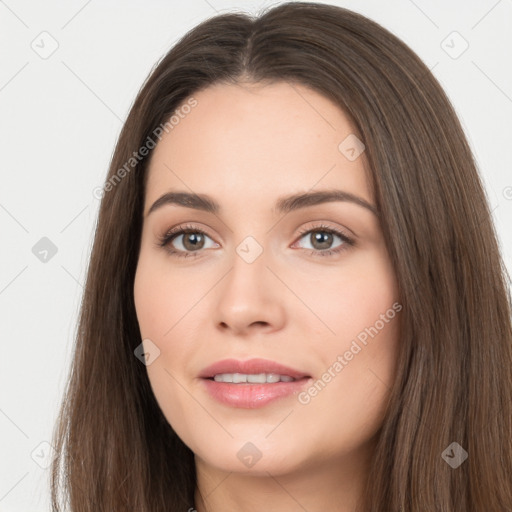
(251, 366)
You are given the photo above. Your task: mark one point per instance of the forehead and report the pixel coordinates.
(252, 142)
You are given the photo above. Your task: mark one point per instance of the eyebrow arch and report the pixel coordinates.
(283, 205)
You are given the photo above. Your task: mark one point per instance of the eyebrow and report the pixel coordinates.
(283, 205)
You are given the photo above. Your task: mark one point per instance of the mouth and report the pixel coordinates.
(253, 383)
(252, 371)
(251, 378)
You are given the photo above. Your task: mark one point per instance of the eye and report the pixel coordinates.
(184, 241)
(188, 241)
(321, 239)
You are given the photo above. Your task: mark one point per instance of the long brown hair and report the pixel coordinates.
(115, 449)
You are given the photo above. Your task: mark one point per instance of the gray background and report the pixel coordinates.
(60, 115)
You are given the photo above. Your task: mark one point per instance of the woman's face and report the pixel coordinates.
(304, 283)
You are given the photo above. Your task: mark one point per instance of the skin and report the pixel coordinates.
(246, 145)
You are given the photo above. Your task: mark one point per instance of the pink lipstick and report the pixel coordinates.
(253, 383)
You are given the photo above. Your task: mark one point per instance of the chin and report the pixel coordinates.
(257, 457)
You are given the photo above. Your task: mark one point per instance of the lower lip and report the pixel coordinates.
(252, 396)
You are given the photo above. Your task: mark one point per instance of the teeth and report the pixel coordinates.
(260, 378)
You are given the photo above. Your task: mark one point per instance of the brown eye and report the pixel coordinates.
(321, 240)
(186, 241)
(192, 241)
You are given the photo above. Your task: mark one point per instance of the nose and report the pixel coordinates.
(250, 298)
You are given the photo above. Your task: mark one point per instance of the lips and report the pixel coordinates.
(247, 395)
(252, 366)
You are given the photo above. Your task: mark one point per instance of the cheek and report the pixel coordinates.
(358, 352)
(348, 401)
(161, 301)
(350, 299)
(150, 300)
(162, 296)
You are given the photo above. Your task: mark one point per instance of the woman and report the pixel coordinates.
(295, 297)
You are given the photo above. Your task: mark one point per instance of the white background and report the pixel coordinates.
(60, 118)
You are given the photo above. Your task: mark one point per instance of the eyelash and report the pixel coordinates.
(166, 238)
